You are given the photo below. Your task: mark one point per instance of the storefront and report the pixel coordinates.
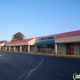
(48, 48)
(25, 45)
(45, 44)
(64, 43)
(31, 48)
(70, 48)
(12, 48)
(68, 43)
(24, 48)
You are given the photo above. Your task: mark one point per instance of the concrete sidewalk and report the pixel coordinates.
(46, 54)
(57, 55)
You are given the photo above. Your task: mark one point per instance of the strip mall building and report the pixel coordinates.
(64, 43)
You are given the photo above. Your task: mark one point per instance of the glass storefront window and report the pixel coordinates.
(45, 48)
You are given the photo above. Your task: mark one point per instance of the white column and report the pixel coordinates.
(28, 48)
(56, 48)
(20, 48)
(0, 47)
(76, 48)
(9, 48)
(14, 48)
(6, 48)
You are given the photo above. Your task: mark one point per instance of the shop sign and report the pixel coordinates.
(46, 38)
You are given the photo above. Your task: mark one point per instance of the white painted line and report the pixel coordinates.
(31, 70)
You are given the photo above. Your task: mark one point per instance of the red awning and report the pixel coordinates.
(68, 34)
(19, 41)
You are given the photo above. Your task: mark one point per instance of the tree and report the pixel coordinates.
(18, 36)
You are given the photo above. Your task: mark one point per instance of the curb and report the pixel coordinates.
(44, 54)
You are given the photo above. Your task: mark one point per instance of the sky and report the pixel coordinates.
(36, 18)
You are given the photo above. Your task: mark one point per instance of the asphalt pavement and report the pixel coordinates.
(20, 66)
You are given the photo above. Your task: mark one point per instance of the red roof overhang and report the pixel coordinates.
(68, 34)
(20, 41)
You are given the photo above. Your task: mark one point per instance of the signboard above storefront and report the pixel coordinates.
(46, 38)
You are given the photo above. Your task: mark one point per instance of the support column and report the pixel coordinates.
(28, 48)
(14, 48)
(0, 47)
(56, 48)
(6, 48)
(9, 48)
(20, 48)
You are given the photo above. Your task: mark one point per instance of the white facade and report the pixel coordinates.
(68, 39)
(77, 48)
(61, 48)
(43, 38)
(64, 41)
(18, 44)
(32, 42)
(2, 44)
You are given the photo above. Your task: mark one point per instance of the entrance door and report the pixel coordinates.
(69, 49)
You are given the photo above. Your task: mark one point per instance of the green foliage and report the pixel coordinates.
(17, 36)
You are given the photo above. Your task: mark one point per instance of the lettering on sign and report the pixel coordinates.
(46, 38)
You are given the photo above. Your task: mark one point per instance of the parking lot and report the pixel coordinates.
(35, 67)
